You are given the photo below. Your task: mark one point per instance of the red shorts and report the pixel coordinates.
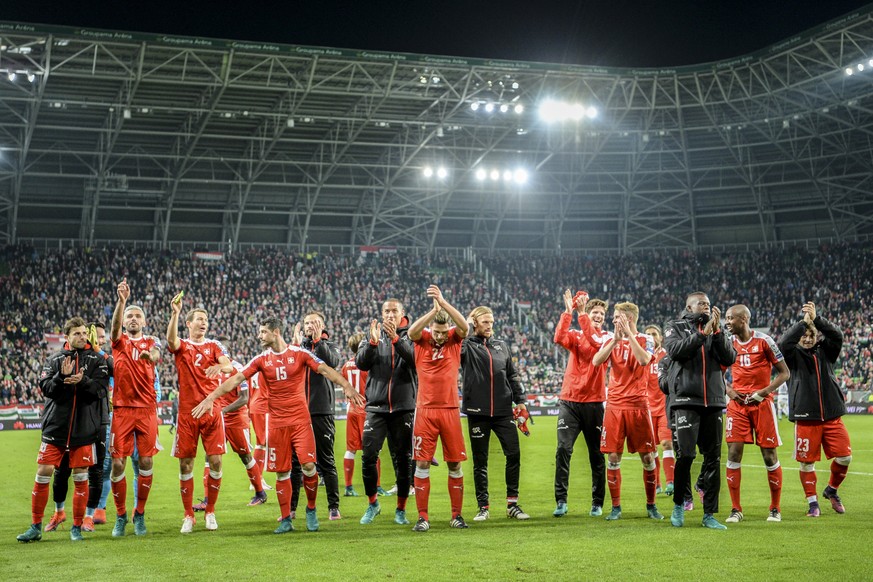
(259, 424)
(810, 436)
(127, 422)
(284, 441)
(209, 428)
(444, 423)
(83, 456)
(742, 421)
(238, 439)
(662, 428)
(633, 425)
(355, 432)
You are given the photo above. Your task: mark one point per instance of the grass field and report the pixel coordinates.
(575, 547)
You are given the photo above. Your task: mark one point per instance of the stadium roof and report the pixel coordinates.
(116, 136)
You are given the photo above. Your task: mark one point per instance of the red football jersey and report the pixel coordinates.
(192, 359)
(239, 418)
(438, 370)
(628, 380)
(134, 378)
(257, 397)
(358, 379)
(283, 380)
(657, 399)
(753, 367)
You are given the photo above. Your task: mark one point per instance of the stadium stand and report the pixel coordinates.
(40, 289)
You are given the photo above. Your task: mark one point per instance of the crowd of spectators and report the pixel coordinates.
(774, 284)
(39, 290)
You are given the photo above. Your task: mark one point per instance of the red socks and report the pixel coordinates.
(38, 501)
(809, 481)
(838, 474)
(422, 495)
(733, 477)
(256, 476)
(669, 466)
(774, 480)
(80, 500)
(143, 489)
(214, 490)
(283, 494)
(456, 494)
(310, 484)
(349, 471)
(119, 494)
(650, 479)
(613, 480)
(186, 489)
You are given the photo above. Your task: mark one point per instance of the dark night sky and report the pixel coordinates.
(638, 33)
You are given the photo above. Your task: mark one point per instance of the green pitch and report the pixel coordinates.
(574, 547)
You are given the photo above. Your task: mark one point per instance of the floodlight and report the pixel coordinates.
(442, 173)
(428, 172)
(481, 174)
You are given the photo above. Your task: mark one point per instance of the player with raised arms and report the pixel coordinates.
(437, 412)
(199, 362)
(134, 408)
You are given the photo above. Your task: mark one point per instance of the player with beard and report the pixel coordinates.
(697, 350)
(289, 429)
(134, 407)
(437, 414)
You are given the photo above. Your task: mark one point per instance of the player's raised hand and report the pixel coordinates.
(434, 293)
(374, 331)
(213, 371)
(176, 303)
(67, 366)
(580, 300)
(123, 290)
(317, 329)
(569, 306)
(809, 313)
(298, 334)
(391, 329)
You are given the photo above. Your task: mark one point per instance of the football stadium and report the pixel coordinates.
(322, 277)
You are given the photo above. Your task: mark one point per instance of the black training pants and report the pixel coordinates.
(698, 428)
(61, 479)
(479, 429)
(397, 426)
(575, 418)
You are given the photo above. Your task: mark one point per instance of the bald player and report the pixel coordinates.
(751, 413)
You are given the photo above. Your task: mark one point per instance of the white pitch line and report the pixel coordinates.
(817, 470)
